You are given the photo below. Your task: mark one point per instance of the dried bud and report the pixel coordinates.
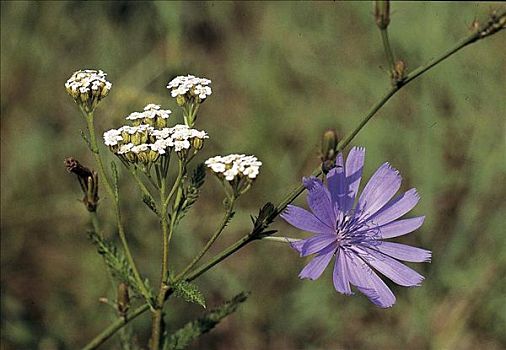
(382, 13)
(329, 145)
(399, 71)
(123, 301)
(88, 180)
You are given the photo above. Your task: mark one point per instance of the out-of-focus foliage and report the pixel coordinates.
(282, 73)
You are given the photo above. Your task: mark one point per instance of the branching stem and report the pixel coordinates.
(214, 237)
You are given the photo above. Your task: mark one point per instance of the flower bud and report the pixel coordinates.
(197, 143)
(123, 299)
(399, 72)
(180, 100)
(329, 145)
(153, 156)
(382, 13)
(136, 138)
(161, 123)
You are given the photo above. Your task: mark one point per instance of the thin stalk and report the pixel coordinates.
(95, 224)
(388, 49)
(209, 243)
(158, 313)
(177, 182)
(113, 328)
(280, 239)
(141, 185)
(112, 194)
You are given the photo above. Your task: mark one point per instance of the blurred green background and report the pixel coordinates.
(282, 73)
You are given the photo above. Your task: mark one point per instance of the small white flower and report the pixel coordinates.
(151, 111)
(181, 144)
(135, 115)
(112, 137)
(140, 148)
(218, 167)
(160, 146)
(125, 148)
(162, 133)
(152, 106)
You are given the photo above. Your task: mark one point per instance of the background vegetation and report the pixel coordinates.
(282, 73)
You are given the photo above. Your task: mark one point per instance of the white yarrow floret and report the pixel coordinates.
(112, 137)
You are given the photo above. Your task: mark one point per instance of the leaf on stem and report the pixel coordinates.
(191, 192)
(183, 337)
(115, 180)
(86, 140)
(118, 265)
(189, 292)
(265, 217)
(150, 203)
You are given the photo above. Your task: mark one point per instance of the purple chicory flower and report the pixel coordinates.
(355, 234)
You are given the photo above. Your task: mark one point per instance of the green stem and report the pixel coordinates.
(177, 182)
(158, 313)
(209, 243)
(114, 327)
(141, 185)
(388, 49)
(112, 194)
(109, 331)
(281, 239)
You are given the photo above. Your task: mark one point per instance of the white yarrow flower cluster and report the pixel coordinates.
(180, 136)
(87, 87)
(190, 86)
(142, 139)
(235, 166)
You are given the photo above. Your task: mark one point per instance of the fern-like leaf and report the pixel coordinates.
(118, 264)
(191, 191)
(183, 337)
(189, 292)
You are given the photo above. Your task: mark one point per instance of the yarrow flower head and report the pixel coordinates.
(145, 143)
(238, 170)
(87, 87)
(189, 91)
(355, 234)
(190, 87)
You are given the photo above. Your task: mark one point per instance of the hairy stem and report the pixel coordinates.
(114, 327)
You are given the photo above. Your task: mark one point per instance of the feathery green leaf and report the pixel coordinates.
(183, 337)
